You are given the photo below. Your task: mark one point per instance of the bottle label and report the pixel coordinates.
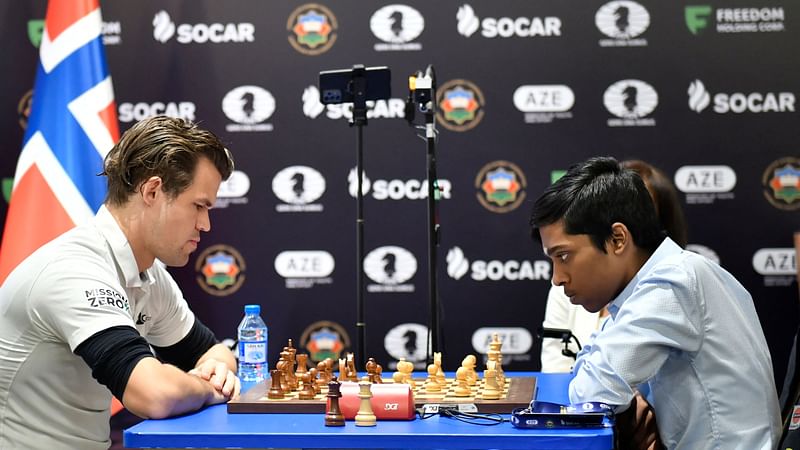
(253, 352)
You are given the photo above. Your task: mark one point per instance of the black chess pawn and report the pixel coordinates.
(334, 416)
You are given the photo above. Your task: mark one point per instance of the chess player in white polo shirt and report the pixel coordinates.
(79, 316)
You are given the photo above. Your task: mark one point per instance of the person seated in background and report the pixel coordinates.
(560, 313)
(80, 314)
(681, 324)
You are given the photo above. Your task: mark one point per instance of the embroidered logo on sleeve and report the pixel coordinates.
(107, 297)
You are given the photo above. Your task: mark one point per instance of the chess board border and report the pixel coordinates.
(520, 394)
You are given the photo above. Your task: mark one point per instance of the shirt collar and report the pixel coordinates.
(667, 248)
(121, 249)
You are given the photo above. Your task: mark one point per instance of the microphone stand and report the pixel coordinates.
(359, 120)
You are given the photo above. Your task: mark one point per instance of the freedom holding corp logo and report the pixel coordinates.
(461, 105)
(312, 29)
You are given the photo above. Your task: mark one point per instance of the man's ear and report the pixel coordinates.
(150, 190)
(620, 237)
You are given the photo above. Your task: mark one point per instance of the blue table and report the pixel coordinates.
(214, 427)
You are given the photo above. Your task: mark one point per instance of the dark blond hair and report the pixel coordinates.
(162, 147)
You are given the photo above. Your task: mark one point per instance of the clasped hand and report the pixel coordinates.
(220, 376)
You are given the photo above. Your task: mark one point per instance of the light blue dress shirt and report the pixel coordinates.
(689, 330)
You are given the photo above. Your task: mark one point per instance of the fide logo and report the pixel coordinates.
(407, 340)
(781, 184)
(312, 29)
(631, 101)
(622, 21)
(397, 25)
(248, 106)
(461, 105)
(220, 270)
(390, 266)
(500, 186)
(298, 187)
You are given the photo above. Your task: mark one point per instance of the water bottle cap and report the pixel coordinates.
(252, 309)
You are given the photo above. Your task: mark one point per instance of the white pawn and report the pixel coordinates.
(365, 416)
(491, 390)
(432, 384)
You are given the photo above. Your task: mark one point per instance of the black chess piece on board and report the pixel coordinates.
(334, 416)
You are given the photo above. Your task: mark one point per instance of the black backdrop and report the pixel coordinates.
(705, 92)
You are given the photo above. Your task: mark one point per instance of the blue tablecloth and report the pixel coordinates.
(214, 427)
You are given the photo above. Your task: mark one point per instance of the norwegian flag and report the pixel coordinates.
(73, 124)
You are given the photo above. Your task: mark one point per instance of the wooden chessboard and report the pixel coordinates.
(517, 393)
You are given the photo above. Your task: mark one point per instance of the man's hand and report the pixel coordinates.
(636, 427)
(219, 375)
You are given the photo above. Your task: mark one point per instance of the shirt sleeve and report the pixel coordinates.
(76, 297)
(662, 315)
(172, 320)
(188, 351)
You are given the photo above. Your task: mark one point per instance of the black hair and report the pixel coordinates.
(592, 196)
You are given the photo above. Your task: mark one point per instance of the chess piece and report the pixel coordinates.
(334, 416)
(495, 348)
(275, 391)
(342, 369)
(288, 356)
(399, 376)
(462, 388)
(281, 366)
(371, 367)
(491, 390)
(365, 416)
(352, 373)
(440, 378)
(302, 365)
(378, 374)
(314, 380)
(307, 392)
(469, 363)
(322, 370)
(431, 384)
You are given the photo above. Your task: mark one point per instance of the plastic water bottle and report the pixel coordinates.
(252, 345)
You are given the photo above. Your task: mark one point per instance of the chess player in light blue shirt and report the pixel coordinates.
(680, 324)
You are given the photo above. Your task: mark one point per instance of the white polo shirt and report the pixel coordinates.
(83, 282)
